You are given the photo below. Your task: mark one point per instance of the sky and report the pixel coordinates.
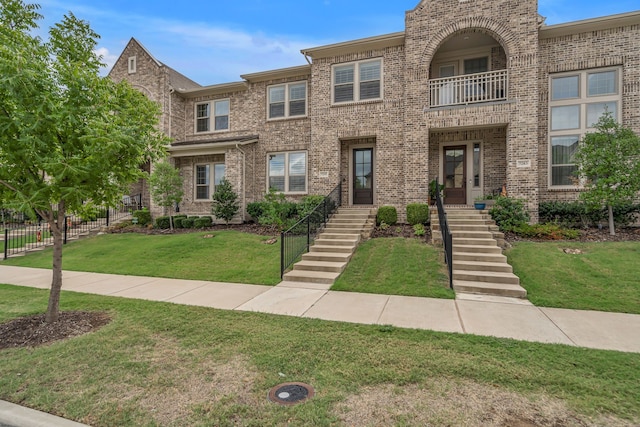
(216, 41)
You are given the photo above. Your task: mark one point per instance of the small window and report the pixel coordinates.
(567, 117)
(358, 81)
(565, 87)
(205, 185)
(202, 117)
(603, 83)
(476, 65)
(132, 64)
(563, 168)
(221, 115)
(288, 172)
(287, 100)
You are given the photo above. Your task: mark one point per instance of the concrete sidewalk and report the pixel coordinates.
(473, 314)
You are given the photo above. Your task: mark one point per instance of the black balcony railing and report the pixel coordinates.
(447, 239)
(26, 235)
(296, 240)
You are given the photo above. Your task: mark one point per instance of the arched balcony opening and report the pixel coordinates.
(470, 67)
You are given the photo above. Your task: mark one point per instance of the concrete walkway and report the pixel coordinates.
(473, 314)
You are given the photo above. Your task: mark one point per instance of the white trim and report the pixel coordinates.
(582, 101)
(211, 116)
(287, 101)
(356, 80)
(286, 171)
(212, 179)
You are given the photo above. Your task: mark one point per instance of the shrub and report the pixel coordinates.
(277, 210)
(256, 209)
(202, 222)
(225, 201)
(549, 231)
(162, 222)
(388, 215)
(418, 229)
(143, 216)
(509, 213)
(575, 214)
(308, 204)
(417, 213)
(187, 222)
(177, 220)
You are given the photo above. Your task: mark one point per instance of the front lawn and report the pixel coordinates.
(396, 266)
(228, 256)
(174, 365)
(604, 277)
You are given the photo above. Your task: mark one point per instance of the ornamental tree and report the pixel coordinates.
(166, 187)
(225, 201)
(609, 161)
(69, 138)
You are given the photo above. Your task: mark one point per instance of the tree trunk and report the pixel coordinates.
(56, 223)
(612, 227)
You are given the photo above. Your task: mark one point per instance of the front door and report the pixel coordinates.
(363, 176)
(455, 175)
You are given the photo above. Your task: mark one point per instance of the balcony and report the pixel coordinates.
(469, 89)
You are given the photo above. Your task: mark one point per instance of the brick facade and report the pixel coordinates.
(405, 131)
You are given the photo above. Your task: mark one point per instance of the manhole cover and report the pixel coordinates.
(291, 393)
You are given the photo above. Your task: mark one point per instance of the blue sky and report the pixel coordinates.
(216, 41)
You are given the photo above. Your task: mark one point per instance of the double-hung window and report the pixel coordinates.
(287, 100)
(216, 110)
(208, 177)
(288, 171)
(577, 100)
(357, 81)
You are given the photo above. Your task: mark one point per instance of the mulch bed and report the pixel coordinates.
(252, 228)
(623, 234)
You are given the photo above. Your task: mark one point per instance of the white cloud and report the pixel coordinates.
(108, 58)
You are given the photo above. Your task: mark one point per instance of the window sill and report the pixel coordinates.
(209, 132)
(280, 119)
(351, 103)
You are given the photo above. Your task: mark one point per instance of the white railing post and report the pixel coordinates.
(469, 89)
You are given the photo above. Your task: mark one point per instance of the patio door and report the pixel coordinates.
(363, 176)
(455, 175)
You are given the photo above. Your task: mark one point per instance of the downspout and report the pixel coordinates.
(171, 90)
(244, 176)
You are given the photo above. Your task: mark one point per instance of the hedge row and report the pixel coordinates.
(182, 221)
(417, 213)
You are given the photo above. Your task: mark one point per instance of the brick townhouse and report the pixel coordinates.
(479, 93)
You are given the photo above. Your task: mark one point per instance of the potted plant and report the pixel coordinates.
(433, 189)
(479, 203)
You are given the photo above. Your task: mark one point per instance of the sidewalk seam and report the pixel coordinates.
(556, 325)
(383, 309)
(455, 303)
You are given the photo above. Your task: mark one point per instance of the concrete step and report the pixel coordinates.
(478, 257)
(336, 242)
(335, 267)
(474, 241)
(471, 234)
(354, 237)
(310, 276)
(489, 288)
(497, 267)
(327, 256)
(468, 227)
(342, 221)
(485, 276)
(460, 247)
(332, 229)
(319, 247)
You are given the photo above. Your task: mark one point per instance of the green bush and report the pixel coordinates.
(162, 222)
(225, 201)
(418, 229)
(203, 222)
(278, 211)
(549, 231)
(256, 209)
(143, 216)
(308, 204)
(509, 213)
(579, 214)
(177, 222)
(417, 213)
(187, 222)
(388, 215)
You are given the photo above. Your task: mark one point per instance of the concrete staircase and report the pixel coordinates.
(333, 248)
(479, 267)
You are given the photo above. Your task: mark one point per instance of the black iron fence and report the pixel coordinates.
(19, 237)
(297, 239)
(447, 239)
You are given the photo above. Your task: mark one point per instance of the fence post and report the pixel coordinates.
(66, 228)
(6, 243)
(281, 254)
(108, 210)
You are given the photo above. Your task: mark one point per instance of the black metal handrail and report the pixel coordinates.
(32, 235)
(296, 240)
(447, 239)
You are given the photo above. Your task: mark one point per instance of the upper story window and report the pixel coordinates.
(287, 100)
(357, 81)
(216, 110)
(132, 64)
(577, 100)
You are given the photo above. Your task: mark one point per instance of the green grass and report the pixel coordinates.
(396, 266)
(604, 277)
(160, 360)
(230, 256)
